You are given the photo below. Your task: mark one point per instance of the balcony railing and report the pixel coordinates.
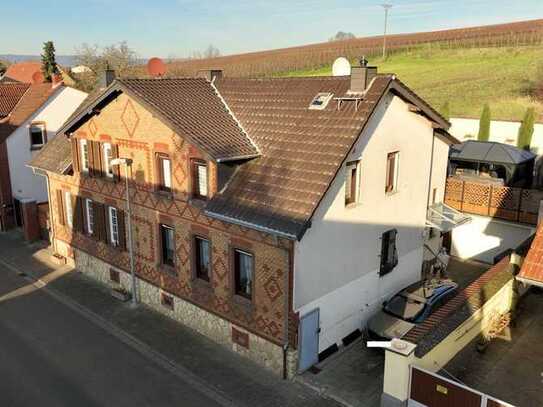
(513, 204)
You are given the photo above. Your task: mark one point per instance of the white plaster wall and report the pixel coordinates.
(336, 264)
(483, 238)
(500, 131)
(54, 112)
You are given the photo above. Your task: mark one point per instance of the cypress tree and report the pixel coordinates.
(446, 110)
(526, 129)
(484, 124)
(48, 63)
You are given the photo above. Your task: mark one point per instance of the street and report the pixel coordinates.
(50, 355)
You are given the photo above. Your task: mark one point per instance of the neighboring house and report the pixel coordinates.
(79, 69)
(255, 202)
(30, 72)
(34, 116)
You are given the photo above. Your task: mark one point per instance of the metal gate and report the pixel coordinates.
(309, 340)
(428, 389)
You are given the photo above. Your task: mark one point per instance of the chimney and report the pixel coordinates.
(107, 77)
(57, 80)
(210, 74)
(361, 76)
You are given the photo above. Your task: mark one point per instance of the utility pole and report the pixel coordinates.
(386, 7)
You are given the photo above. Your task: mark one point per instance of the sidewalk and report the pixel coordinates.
(234, 377)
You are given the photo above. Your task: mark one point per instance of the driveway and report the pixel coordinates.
(353, 376)
(511, 369)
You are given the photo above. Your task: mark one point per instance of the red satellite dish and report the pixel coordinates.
(156, 67)
(37, 77)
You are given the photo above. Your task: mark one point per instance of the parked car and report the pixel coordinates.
(409, 307)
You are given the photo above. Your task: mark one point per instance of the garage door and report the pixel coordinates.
(428, 389)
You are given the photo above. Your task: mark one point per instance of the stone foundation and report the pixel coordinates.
(259, 350)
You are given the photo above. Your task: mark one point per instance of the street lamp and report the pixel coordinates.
(127, 162)
(386, 7)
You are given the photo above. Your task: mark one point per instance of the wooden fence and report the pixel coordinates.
(513, 204)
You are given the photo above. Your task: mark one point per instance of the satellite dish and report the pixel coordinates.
(156, 67)
(341, 67)
(37, 77)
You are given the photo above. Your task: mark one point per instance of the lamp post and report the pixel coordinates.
(386, 7)
(127, 162)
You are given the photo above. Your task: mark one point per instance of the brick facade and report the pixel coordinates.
(140, 136)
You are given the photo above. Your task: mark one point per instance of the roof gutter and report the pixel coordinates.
(530, 281)
(250, 225)
(237, 158)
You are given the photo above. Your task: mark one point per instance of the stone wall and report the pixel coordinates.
(218, 329)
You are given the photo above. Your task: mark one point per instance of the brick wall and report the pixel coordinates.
(140, 136)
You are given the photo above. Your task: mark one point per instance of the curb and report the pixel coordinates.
(186, 375)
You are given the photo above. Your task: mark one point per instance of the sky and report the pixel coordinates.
(175, 28)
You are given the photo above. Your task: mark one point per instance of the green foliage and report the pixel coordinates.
(484, 124)
(526, 129)
(48, 63)
(446, 110)
(3, 67)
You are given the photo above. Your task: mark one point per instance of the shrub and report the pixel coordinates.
(526, 129)
(484, 124)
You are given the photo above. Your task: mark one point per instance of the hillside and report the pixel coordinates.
(317, 55)
(467, 78)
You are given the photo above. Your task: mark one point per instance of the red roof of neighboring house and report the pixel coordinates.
(532, 268)
(23, 71)
(10, 94)
(31, 101)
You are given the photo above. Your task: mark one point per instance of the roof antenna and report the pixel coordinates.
(363, 61)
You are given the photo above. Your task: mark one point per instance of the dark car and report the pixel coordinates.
(409, 307)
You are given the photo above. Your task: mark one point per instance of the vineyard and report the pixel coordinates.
(310, 57)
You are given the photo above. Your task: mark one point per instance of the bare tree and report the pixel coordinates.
(119, 57)
(210, 52)
(341, 35)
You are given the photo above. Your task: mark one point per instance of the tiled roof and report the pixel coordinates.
(452, 314)
(23, 71)
(55, 156)
(302, 149)
(299, 150)
(532, 267)
(32, 100)
(10, 94)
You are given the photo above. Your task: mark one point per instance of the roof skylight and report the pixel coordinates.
(320, 101)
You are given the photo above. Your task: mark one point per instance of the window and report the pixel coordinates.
(168, 245)
(90, 216)
(200, 179)
(165, 173)
(320, 101)
(114, 276)
(38, 136)
(166, 300)
(113, 226)
(389, 253)
(69, 209)
(392, 171)
(107, 156)
(243, 273)
(201, 253)
(84, 152)
(351, 182)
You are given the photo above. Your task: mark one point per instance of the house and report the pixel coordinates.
(30, 72)
(30, 115)
(272, 215)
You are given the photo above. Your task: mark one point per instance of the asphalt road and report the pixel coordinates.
(50, 355)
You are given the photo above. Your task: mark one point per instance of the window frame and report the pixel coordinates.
(196, 258)
(387, 264)
(89, 214)
(69, 209)
(43, 129)
(162, 178)
(236, 275)
(352, 185)
(162, 228)
(392, 172)
(196, 193)
(114, 240)
(84, 149)
(106, 159)
(114, 276)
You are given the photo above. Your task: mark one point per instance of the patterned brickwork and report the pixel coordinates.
(138, 134)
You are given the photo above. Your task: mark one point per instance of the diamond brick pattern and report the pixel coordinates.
(130, 118)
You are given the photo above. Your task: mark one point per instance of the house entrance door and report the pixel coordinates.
(309, 340)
